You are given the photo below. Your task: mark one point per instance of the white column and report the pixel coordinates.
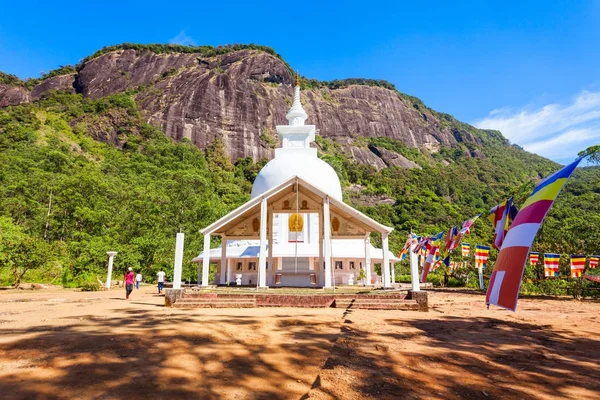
(327, 242)
(262, 256)
(223, 272)
(270, 275)
(368, 260)
(481, 285)
(385, 266)
(414, 270)
(177, 268)
(206, 260)
(111, 256)
(321, 274)
(393, 272)
(228, 271)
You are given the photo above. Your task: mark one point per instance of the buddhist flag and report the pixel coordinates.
(500, 216)
(466, 226)
(466, 249)
(431, 256)
(577, 265)
(481, 255)
(533, 258)
(505, 281)
(594, 261)
(451, 239)
(551, 263)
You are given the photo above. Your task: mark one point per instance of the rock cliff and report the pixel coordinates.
(242, 95)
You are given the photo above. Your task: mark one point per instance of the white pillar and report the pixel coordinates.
(206, 260)
(393, 272)
(270, 275)
(481, 285)
(385, 266)
(414, 270)
(327, 242)
(223, 273)
(177, 268)
(262, 256)
(321, 274)
(368, 260)
(111, 256)
(228, 271)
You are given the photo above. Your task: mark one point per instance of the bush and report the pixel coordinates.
(90, 287)
(435, 279)
(456, 282)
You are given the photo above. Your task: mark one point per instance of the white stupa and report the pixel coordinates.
(307, 236)
(296, 157)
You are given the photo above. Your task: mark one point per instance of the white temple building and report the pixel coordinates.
(296, 230)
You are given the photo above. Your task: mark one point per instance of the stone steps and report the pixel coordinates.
(212, 303)
(378, 304)
(219, 296)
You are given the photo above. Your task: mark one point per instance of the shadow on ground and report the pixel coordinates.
(142, 355)
(139, 354)
(451, 357)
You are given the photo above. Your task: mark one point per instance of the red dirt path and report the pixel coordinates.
(64, 344)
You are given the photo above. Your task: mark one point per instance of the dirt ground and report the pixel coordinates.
(73, 345)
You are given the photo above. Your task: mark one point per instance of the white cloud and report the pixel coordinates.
(182, 39)
(556, 131)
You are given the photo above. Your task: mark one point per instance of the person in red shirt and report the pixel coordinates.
(129, 277)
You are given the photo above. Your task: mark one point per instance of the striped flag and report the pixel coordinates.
(594, 261)
(551, 263)
(500, 216)
(466, 249)
(434, 251)
(466, 226)
(451, 239)
(533, 258)
(481, 255)
(577, 265)
(505, 281)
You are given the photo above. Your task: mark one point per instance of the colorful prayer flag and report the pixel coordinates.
(431, 256)
(551, 264)
(481, 255)
(466, 226)
(533, 258)
(466, 249)
(594, 261)
(500, 216)
(577, 265)
(505, 281)
(451, 239)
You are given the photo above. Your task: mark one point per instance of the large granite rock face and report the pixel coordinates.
(13, 95)
(241, 97)
(62, 82)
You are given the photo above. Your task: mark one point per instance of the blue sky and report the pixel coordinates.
(528, 68)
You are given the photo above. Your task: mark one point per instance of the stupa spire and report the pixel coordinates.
(296, 115)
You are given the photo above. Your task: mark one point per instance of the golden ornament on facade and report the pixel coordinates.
(335, 224)
(295, 223)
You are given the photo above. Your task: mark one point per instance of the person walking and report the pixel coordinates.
(129, 277)
(160, 278)
(138, 280)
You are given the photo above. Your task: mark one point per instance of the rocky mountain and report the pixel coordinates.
(86, 162)
(241, 95)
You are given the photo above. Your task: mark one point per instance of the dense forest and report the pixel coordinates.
(66, 198)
